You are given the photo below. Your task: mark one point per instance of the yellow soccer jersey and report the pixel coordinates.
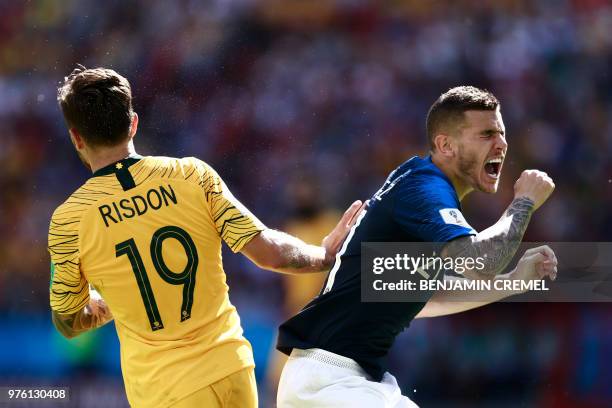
(146, 233)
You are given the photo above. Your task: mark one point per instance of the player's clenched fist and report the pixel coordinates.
(536, 263)
(535, 185)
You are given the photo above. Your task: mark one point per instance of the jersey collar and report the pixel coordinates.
(118, 165)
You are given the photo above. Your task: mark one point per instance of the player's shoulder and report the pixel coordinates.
(94, 189)
(180, 167)
(201, 173)
(161, 163)
(195, 164)
(423, 174)
(67, 215)
(424, 183)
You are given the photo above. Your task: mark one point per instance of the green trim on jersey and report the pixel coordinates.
(52, 274)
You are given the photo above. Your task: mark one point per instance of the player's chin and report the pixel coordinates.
(489, 189)
(488, 184)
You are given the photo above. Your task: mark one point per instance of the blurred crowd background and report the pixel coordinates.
(303, 107)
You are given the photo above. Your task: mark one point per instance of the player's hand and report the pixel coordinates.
(535, 185)
(535, 264)
(336, 237)
(97, 307)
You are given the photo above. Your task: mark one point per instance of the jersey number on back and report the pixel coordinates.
(186, 277)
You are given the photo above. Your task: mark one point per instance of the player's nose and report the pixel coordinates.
(500, 142)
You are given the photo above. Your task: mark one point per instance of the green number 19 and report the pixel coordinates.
(186, 278)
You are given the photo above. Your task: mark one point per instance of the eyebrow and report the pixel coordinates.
(492, 132)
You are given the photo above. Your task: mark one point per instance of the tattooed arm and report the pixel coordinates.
(280, 252)
(92, 316)
(498, 243)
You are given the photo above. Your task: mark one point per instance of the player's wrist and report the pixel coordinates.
(328, 259)
(527, 200)
(516, 275)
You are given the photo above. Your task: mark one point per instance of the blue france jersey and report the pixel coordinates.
(417, 203)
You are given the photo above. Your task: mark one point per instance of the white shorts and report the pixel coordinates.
(318, 378)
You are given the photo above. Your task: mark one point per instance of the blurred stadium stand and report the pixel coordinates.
(334, 92)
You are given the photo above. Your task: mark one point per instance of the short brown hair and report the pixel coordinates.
(449, 108)
(98, 104)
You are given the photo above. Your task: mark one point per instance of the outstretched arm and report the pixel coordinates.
(497, 244)
(281, 252)
(92, 316)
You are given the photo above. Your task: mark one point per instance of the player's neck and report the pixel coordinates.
(461, 188)
(102, 157)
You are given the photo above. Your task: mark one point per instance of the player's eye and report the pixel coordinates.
(488, 134)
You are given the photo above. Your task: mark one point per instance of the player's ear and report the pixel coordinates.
(134, 125)
(444, 144)
(76, 138)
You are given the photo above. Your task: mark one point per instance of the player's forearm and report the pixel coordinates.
(92, 316)
(299, 257)
(280, 252)
(496, 245)
(446, 302)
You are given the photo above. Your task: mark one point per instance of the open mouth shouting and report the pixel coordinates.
(493, 167)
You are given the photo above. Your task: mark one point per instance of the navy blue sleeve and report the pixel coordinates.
(426, 208)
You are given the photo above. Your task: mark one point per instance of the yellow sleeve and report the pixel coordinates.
(235, 224)
(69, 291)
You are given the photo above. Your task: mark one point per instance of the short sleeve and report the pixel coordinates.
(428, 210)
(235, 224)
(69, 290)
